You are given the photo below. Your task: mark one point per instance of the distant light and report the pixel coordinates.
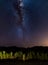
(45, 41)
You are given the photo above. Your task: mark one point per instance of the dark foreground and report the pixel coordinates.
(15, 62)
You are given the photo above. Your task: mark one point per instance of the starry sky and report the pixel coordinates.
(34, 29)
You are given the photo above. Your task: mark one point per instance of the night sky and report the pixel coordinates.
(35, 24)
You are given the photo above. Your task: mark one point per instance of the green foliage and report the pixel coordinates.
(16, 55)
(4, 55)
(33, 55)
(11, 55)
(24, 57)
(21, 56)
(46, 56)
(1, 55)
(38, 55)
(42, 57)
(29, 56)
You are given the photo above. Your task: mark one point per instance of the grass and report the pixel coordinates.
(16, 62)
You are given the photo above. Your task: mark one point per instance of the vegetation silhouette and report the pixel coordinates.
(20, 53)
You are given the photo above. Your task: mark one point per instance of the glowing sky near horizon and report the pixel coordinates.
(35, 24)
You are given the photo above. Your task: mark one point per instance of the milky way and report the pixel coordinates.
(34, 28)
